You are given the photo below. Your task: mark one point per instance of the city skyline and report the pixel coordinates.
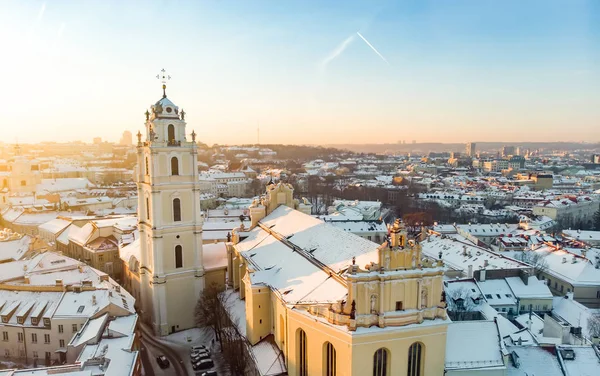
(306, 73)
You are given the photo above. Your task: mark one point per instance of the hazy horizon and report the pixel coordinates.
(308, 73)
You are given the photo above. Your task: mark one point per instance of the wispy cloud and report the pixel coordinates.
(42, 11)
(373, 48)
(336, 52)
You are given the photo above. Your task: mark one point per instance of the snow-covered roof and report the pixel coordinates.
(569, 267)
(497, 292)
(583, 235)
(533, 289)
(268, 358)
(331, 246)
(62, 185)
(90, 331)
(586, 362)
(131, 250)
(367, 227)
(453, 249)
(532, 360)
(55, 226)
(573, 312)
(295, 278)
(14, 249)
(473, 345)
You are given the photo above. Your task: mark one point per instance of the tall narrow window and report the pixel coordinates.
(415, 361)
(147, 167)
(329, 368)
(302, 361)
(176, 210)
(178, 256)
(171, 132)
(147, 208)
(174, 166)
(380, 362)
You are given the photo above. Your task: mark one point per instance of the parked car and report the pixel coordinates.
(203, 364)
(197, 358)
(209, 373)
(198, 348)
(200, 352)
(162, 361)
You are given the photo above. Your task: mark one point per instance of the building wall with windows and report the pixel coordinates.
(389, 317)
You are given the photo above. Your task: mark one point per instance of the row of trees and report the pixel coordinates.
(211, 313)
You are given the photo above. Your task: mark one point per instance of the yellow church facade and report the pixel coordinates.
(332, 302)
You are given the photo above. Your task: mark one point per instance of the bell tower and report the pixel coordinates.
(170, 220)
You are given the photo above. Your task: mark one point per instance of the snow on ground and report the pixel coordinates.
(191, 337)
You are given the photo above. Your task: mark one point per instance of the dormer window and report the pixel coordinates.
(47, 322)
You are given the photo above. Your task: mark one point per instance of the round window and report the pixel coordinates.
(169, 109)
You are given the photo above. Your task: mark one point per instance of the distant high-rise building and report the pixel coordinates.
(126, 139)
(97, 140)
(470, 149)
(508, 150)
(596, 158)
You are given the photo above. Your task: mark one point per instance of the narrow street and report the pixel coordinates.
(153, 348)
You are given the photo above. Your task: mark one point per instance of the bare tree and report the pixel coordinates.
(593, 325)
(234, 347)
(536, 260)
(461, 304)
(210, 311)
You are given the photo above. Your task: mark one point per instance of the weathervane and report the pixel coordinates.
(163, 77)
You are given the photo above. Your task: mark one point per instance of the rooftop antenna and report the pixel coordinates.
(163, 77)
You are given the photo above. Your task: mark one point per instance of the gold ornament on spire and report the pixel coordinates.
(163, 77)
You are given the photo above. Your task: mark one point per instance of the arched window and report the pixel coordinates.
(147, 208)
(178, 256)
(147, 167)
(415, 360)
(176, 210)
(329, 368)
(302, 361)
(380, 362)
(171, 133)
(174, 166)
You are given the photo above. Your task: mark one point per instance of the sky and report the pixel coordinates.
(304, 72)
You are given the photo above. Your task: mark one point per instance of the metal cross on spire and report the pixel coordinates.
(163, 77)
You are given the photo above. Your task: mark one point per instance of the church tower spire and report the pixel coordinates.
(170, 220)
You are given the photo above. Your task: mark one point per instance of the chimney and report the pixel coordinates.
(482, 275)
(94, 299)
(470, 271)
(485, 263)
(574, 260)
(464, 253)
(564, 260)
(59, 282)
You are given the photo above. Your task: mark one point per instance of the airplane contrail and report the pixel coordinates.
(373, 48)
(336, 52)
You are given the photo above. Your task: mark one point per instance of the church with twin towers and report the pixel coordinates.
(172, 275)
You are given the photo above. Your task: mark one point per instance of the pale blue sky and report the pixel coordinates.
(456, 70)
